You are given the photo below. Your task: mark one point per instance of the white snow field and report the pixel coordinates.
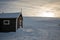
(35, 28)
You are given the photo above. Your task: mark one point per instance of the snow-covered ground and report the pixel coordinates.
(35, 29)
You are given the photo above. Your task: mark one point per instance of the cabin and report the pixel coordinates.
(10, 22)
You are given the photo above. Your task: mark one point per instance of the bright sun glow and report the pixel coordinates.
(47, 14)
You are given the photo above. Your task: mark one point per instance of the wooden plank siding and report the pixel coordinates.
(11, 27)
(18, 22)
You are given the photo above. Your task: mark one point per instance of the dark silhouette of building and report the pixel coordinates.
(10, 21)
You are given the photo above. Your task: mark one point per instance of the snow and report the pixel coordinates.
(35, 29)
(9, 15)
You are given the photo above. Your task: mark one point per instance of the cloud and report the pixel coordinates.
(6, 0)
(30, 7)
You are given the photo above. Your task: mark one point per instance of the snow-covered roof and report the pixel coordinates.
(9, 15)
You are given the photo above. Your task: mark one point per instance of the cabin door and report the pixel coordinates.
(21, 22)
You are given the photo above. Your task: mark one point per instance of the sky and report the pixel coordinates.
(39, 8)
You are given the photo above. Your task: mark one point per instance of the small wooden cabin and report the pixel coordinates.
(10, 22)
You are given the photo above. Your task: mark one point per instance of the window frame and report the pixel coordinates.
(4, 22)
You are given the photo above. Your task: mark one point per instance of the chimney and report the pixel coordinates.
(21, 12)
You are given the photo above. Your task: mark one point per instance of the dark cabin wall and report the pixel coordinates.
(18, 22)
(11, 27)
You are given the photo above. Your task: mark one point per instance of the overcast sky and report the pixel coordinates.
(31, 7)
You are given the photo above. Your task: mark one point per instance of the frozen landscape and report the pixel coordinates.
(35, 28)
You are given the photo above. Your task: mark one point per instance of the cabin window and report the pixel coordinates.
(6, 22)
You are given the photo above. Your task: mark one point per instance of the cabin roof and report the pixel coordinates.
(9, 15)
